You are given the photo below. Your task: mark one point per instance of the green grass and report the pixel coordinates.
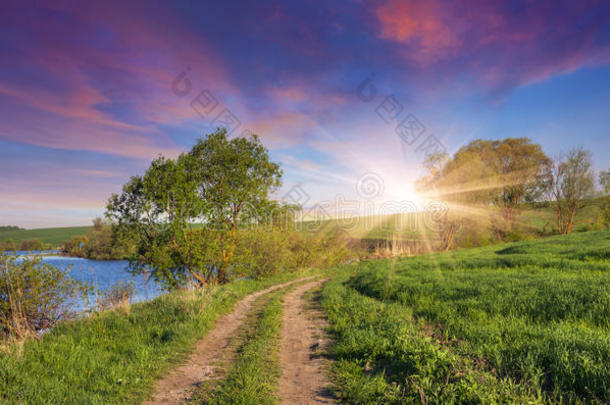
(115, 357)
(527, 320)
(54, 236)
(254, 375)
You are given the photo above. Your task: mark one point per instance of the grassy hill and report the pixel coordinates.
(54, 236)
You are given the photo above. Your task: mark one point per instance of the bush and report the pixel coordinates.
(118, 294)
(31, 244)
(33, 296)
(8, 245)
(266, 251)
(102, 242)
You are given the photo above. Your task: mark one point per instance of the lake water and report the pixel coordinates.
(102, 275)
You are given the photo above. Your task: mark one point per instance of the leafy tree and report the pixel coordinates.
(187, 211)
(503, 173)
(569, 181)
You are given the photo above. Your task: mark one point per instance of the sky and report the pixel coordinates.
(349, 96)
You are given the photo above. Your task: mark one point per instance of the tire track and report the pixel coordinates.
(178, 385)
(303, 380)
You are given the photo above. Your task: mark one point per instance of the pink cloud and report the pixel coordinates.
(421, 23)
(499, 46)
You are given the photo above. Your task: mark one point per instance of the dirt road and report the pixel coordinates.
(179, 384)
(303, 380)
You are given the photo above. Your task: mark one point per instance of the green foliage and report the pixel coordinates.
(220, 184)
(103, 241)
(533, 316)
(32, 244)
(5, 228)
(605, 215)
(504, 172)
(604, 181)
(33, 296)
(270, 250)
(569, 182)
(262, 252)
(116, 295)
(8, 245)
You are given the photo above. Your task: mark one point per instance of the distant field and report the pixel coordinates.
(526, 322)
(54, 236)
(532, 221)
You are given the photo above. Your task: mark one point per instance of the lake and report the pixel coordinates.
(102, 275)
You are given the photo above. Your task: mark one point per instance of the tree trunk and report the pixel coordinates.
(558, 216)
(198, 277)
(570, 220)
(227, 256)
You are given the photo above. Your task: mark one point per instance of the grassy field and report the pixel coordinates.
(521, 322)
(533, 221)
(115, 357)
(54, 236)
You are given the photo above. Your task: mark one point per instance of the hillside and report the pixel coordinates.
(54, 236)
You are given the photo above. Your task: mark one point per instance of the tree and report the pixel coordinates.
(187, 211)
(569, 181)
(604, 181)
(492, 173)
(504, 173)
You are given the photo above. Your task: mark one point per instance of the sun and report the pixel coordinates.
(403, 193)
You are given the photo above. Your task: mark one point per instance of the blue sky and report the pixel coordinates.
(88, 96)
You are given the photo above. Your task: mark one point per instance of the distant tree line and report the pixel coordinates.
(25, 245)
(102, 242)
(4, 228)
